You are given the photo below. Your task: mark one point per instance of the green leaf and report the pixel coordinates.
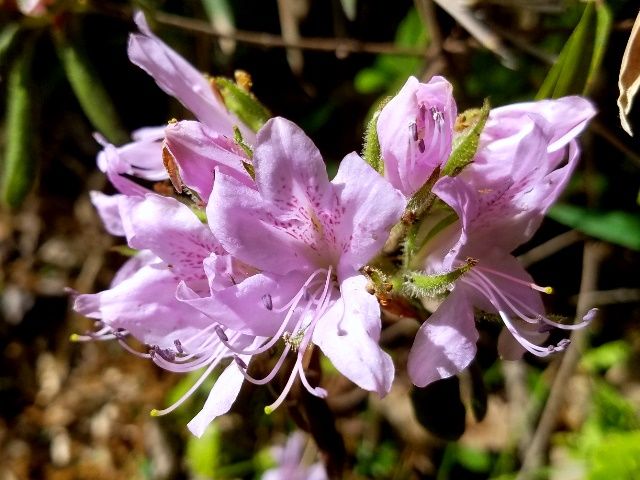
(616, 226)
(242, 103)
(580, 59)
(603, 30)
(222, 19)
(616, 457)
(350, 8)
(19, 167)
(8, 37)
(473, 459)
(389, 72)
(606, 356)
(465, 145)
(88, 87)
(203, 454)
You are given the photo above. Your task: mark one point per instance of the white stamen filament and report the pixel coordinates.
(488, 289)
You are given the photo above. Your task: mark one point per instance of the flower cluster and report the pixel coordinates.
(247, 253)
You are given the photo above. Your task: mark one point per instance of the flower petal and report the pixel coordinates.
(241, 222)
(220, 399)
(170, 230)
(198, 151)
(145, 305)
(289, 167)
(371, 207)
(568, 115)
(142, 157)
(348, 334)
(242, 307)
(178, 78)
(446, 342)
(415, 130)
(107, 207)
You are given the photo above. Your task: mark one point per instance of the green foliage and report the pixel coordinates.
(579, 62)
(19, 165)
(617, 456)
(203, 454)
(609, 440)
(88, 87)
(606, 356)
(8, 37)
(350, 8)
(389, 72)
(615, 226)
(376, 462)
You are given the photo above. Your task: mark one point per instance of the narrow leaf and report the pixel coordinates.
(465, 145)
(242, 103)
(88, 88)
(580, 60)
(350, 8)
(604, 21)
(619, 227)
(222, 20)
(629, 79)
(19, 161)
(8, 36)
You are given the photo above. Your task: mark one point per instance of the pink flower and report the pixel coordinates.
(527, 153)
(308, 237)
(415, 130)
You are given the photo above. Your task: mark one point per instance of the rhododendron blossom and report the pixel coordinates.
(252, 257)
(526, 155)
(416, 130)
(308, 237)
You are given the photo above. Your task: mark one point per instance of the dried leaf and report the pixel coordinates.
(629, 80)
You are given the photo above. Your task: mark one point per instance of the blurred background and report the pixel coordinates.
(81, 411)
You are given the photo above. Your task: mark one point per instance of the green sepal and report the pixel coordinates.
(19, 165)
(242, 103)
(371, 148)
(465, 145)
(88, 87)
(237, 136)
(419, 284)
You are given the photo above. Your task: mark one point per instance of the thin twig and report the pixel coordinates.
(550, 247)
(340, 46)
(534, 458)
(609, 297)
(600, 129)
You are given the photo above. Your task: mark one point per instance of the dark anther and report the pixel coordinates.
(178, 345)
(240, 362)
(413, 128)
(267, 301)
(221, 333)
(421, 146)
